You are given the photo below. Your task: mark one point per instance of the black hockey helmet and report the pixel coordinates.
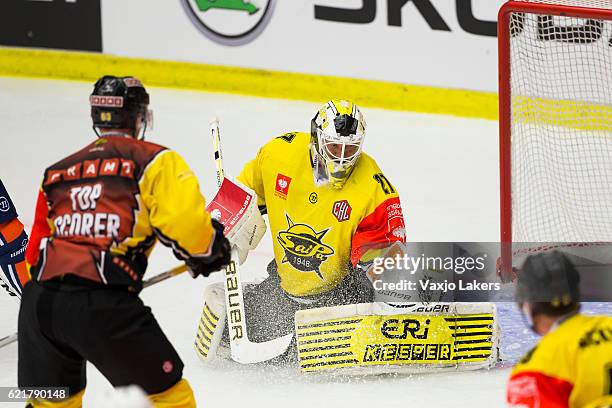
(550, 283)
(116, 102)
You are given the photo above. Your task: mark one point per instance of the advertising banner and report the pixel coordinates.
(442, 43)
(61, 24)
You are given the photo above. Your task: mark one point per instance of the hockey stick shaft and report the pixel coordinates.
(5, 341)
(234, 297)
(177, 270)
(241, 348)
(216, 137)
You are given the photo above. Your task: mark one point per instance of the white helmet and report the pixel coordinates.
(337, 132)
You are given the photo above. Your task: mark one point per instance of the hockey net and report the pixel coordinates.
(555, 61)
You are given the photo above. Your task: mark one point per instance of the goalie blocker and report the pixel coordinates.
(235, 206)
(381, 338)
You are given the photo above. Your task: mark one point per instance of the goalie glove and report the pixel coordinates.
(235, 206)
(220, 255)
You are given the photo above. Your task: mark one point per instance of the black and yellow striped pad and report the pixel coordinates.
(206, 330)
(401, 339)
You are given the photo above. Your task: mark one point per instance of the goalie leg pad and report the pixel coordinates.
(381, 338)
(212, 322)
(269, 315)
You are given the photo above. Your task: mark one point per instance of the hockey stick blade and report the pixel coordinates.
(243, 350)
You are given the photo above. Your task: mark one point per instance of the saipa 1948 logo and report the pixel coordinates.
(304, 247)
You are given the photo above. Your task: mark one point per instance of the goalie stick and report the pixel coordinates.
(177, 270)
(243, 350)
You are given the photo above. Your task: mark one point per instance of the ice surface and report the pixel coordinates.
(444, 168)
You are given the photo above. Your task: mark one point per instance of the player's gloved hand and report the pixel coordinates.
(235, 205)
(220, 257)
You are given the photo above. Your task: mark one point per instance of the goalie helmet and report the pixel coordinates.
(549, 283)
(337, 132)
(118, 103)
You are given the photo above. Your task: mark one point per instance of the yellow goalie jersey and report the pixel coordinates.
(319, 233)
(571, 367)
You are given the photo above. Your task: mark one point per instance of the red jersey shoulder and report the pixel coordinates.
(111, 156)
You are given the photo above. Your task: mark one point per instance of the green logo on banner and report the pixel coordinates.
(230, 22)
(205, 5)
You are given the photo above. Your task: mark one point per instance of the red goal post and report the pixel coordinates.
(555, 80)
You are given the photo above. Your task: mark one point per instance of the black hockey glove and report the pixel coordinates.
(219, 258)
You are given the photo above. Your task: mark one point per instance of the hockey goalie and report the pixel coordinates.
(331, 212)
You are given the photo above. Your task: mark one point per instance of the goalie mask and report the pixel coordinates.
(337, 132)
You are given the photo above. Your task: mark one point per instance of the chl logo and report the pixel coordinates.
(342, 210)
(230, 22)
(304, 248)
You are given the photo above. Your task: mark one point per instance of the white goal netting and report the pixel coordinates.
(561, 125)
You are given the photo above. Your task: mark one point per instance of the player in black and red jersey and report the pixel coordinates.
(99, 213)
